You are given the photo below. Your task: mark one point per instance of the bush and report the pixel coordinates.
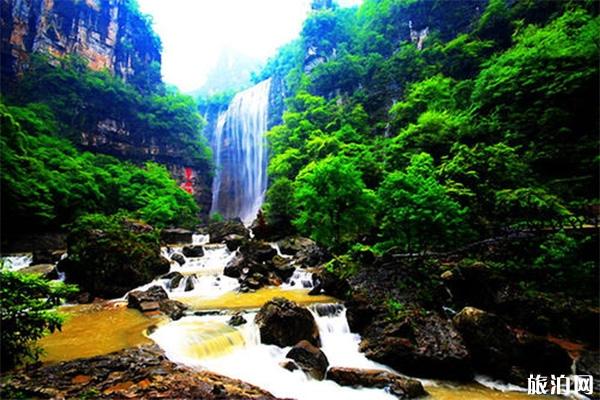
(27, 310)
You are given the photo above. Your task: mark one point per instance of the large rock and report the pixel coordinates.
(490, 342)
(112, 258)
(219, 230)
(172, 308)
(325, 282)
(45, 256)
(233, 241)
(178, 258)
(292, 245)
(498, 352)
(426, 346)
(258, 252)
(175, 236)
(193, 251)
(310, 358)
(138, 373)
(285, 323)
(402, 388)
(137, 298)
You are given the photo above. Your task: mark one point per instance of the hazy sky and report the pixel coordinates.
(194, 31)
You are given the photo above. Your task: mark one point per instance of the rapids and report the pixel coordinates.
(203, 339)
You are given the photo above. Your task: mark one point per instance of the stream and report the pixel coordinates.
(203, 339)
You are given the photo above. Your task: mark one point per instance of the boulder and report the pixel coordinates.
(110, 259)
(193, 251)
(237, 319)
(292, 245)
(360, 312)
(423, 345)
(310, 359)
(284, 323)
(257, 252)
(537, 355)
(284, 271)
(312, 256)
(489, 340)
(233, 241)
(234, 268)
(219, 230)
(137, 298)
(289, 365)
(46, 256)
(135, 373)
(173, 308)
(178, 258)
(175, 236)
(48, 271)
(189, 284)
(325, 282)
(254, 281)
(402, 388)
(174, 278)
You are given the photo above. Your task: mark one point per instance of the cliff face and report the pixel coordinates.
(110, 35)
(101, 31)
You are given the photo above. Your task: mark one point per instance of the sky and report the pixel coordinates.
(193, 32)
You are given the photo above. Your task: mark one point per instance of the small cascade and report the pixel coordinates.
(240, 154)
(300, 279)
(17, 261)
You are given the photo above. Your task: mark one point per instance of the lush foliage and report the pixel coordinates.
(47, 182)
(27, 312)
(108, 256)
(482, 119)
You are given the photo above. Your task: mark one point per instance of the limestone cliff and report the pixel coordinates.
(110, 35)
(104, 32)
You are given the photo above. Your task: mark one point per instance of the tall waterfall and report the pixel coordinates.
(240, 154)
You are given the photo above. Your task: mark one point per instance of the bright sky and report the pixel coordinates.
(193, 32)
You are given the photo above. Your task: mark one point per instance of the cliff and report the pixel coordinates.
(109, 34)
(112, 36)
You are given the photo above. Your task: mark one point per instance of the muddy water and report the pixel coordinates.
(92, 330)
(235, 300)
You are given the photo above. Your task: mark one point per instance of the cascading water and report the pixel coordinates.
(241, 154)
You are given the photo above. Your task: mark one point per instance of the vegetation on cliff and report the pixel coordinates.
(455, 116)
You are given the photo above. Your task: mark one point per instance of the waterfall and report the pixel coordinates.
(240, 154)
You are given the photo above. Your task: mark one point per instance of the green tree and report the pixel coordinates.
(334, 207)
(27, 311)
(416, 211)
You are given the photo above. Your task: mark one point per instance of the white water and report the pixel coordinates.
(256, 363)
(18, 261)
(240, 154)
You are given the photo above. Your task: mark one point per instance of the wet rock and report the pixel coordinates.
(178, 258)
(258, 252)
(219, 230)
(234, 268)
(140, 373)
(237, 319)
(402, 388)
(193, 251)
(289, 365)
(310, 359)
(173, 308)
(174, 278)
(284, 271)
(285, 323)
(137, 298)
(537, 355)
(292, 245)
(189, 284)
(148, 306)
(46, 270)
(489, 340)
(233, 241)
(420, 345)
(175, 236)
(46, 256)
(325, 282)
(312, 256)
(360, 312)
